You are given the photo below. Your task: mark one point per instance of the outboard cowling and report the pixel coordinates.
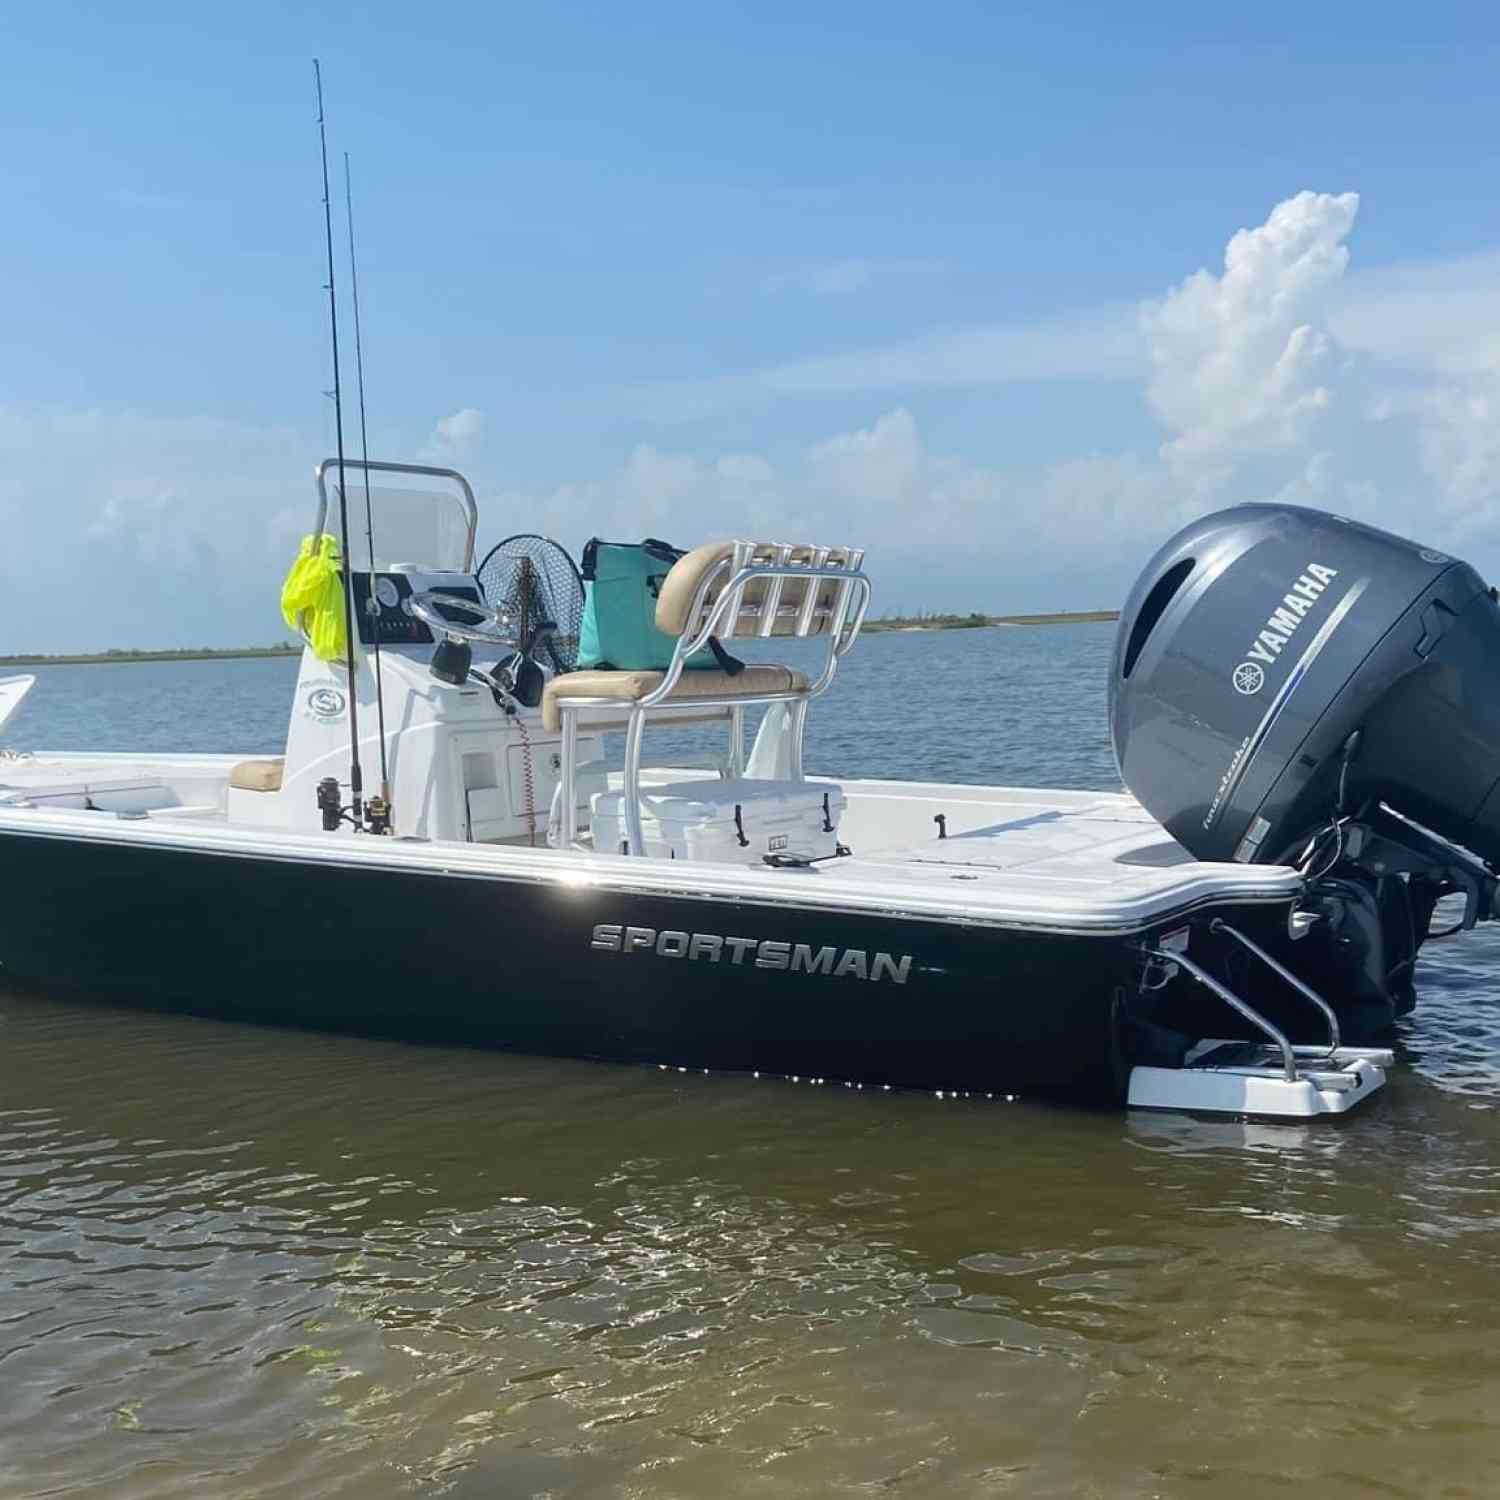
(1277, 666)
(1292, 687)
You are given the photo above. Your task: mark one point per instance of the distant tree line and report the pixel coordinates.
(124, 654)
(935, 620)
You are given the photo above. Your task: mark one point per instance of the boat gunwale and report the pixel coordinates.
(615, 874)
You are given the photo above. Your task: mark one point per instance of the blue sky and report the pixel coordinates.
(950, 281)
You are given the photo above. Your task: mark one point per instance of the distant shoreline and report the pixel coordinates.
(902, 623)
(906, 624)
(206, 653)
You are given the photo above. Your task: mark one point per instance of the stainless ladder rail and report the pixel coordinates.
(1301, 986)
(1228, 996)
(1289, 1052)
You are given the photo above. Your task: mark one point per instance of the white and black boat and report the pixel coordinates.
(1305, 709)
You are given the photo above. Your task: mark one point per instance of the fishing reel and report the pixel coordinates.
(373, 815)
(330, 804)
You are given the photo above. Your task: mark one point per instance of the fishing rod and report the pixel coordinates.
(380, 817)
(356, 781)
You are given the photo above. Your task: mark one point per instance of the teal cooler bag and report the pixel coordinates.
(622, 581)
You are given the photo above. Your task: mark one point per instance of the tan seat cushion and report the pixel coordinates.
(257, 775)
(625, 688)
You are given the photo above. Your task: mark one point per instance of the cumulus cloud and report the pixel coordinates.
(1432, 335)
(884, 464)
(1238, 362)
(1440, 316)
(462, 427)
(1277, 375)
(1283, 372)
(456, 435)
(881, 487)
(1458, 427)
(128, 528)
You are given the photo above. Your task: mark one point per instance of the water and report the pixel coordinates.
(243, 1262)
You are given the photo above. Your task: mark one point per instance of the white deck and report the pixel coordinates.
(1059, 860)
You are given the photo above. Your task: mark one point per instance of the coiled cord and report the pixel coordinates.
(528, 780)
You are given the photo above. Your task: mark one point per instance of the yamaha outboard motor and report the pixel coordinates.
(1295, 688)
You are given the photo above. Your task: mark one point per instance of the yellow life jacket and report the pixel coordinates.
(312, 598)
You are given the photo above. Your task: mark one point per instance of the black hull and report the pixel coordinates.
(428, 955)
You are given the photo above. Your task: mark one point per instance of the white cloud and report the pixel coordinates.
(882, 465)
(454, 436)
(879, 487)
(1434, 331)
(1238, 361)
(171, 489)
(462, 427)
(1278, 376)
(1284, 373)
(1438, 315)
(126, 528)
(1458, 426)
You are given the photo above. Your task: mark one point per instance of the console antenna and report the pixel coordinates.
(356, 781)
(378, 809)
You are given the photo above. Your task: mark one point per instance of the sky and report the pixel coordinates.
(1002, 294)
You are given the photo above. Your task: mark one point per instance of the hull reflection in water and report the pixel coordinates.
(260, 1263)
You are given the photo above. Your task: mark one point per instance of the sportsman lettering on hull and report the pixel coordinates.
(711, 947)
(1305, 593)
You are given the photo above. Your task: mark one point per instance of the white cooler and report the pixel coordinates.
(726, 822)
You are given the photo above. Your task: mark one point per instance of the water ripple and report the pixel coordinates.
(248, 1263)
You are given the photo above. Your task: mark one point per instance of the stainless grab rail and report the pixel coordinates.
(1228, 996)
(1301, 986)
(424, 470)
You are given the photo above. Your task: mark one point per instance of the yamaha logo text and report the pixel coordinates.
(1249, 677)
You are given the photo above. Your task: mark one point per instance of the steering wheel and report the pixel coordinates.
(490, 626)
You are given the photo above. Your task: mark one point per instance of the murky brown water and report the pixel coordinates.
(245, 1262)
(252, 1263)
